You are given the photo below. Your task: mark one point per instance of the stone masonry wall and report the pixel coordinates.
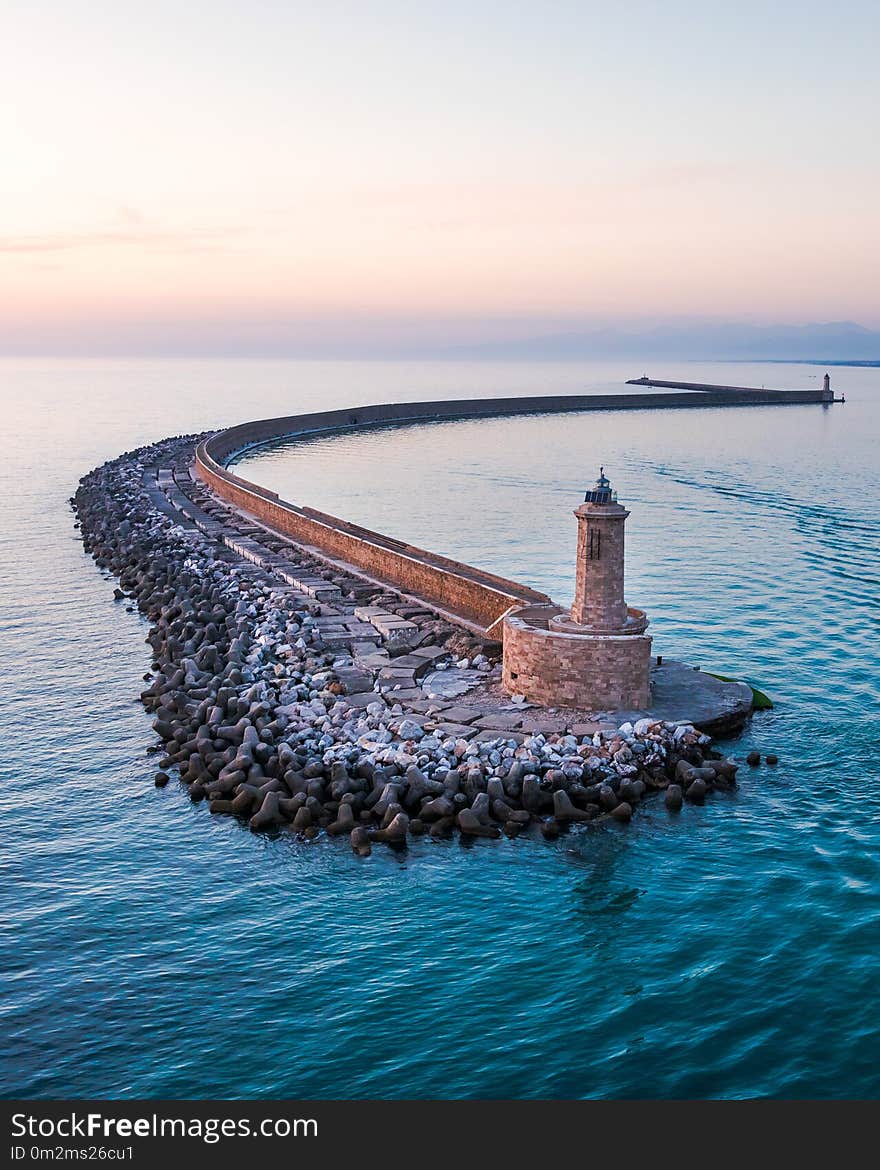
(598, 599)
(574, 670)
(446, 584)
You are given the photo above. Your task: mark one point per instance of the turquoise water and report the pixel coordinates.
(151, 950)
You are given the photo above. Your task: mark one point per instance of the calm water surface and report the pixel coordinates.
(152, 950)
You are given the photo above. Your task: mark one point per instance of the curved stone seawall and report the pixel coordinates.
(470, 594)
(474, 595)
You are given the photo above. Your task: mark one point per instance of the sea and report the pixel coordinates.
(151, 950)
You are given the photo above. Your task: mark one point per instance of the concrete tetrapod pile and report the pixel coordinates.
(269, 718)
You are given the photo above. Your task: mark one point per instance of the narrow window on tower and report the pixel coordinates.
(595, 544)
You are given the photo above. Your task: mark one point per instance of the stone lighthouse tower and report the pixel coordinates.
(596, 654)
(598, 595)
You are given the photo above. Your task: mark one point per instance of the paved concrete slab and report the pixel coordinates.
(498, 733)
(452, 683)
(539, 723)
(431, 652)
(424, 706)
(394, 677)
(461, 714)
(362, 699)
(455, 729)
(582, 729)
(410, 662)
(681, 692)
(499, 720)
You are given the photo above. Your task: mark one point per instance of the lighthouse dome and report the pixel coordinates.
(601, 492)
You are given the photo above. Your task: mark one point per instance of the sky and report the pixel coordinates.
(245, 176)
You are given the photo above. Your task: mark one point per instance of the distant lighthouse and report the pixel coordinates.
(827, 396)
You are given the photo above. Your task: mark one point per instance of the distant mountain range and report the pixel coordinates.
(833, 343)
(469, 338)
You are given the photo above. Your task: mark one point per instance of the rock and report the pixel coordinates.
(631, 791)
(753, 759)
(244, 801)
(471, 825)
(436, 809)
(302, 820)
(161, 779)
(268, 814)
(502, 811)
(674, 798)
(696, 792)
(360, 842)
(481, 808)
(495, 789)
(725, 770)
(623, 812)
(407, 729)
(534, 799)
(418, 786)
(564, 810)
(684, 772)
(608, 798)
(772, 760)
(390, 813)
(344, 822)
(395, 833)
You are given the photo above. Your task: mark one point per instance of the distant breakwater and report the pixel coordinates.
(297, 694)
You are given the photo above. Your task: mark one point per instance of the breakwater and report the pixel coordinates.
(728, 395)
(299, 696)
(462, 591)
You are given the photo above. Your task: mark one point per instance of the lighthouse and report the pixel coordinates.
(598, 595)
(596, 653)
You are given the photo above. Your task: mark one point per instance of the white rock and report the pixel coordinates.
(409, 730)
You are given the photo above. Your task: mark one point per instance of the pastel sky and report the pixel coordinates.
(186, 173)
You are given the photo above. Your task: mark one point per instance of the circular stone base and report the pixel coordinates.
(636, 623)
(574, 668)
